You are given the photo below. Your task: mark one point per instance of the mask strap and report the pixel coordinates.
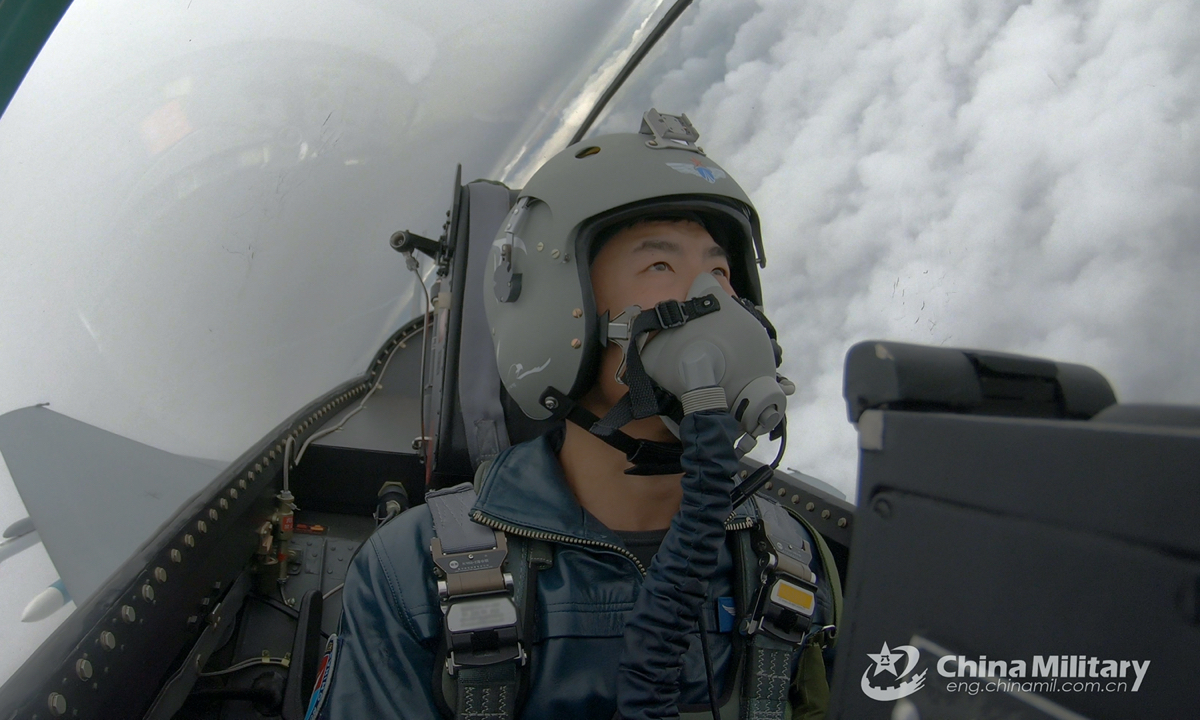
(644, 395)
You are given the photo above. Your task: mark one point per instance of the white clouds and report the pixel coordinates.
(1013, 176)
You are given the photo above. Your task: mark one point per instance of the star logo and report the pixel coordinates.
(699, 169)
(888, 659)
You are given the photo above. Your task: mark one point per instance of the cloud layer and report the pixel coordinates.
(1013, 176)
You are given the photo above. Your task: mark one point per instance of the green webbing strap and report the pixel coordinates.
(768, 676)
(810, 694)
(831, 574)
(488, 692)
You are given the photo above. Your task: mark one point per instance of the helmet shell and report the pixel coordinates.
(548, 336)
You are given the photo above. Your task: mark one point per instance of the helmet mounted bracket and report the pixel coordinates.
(670, 132)
(507, 283)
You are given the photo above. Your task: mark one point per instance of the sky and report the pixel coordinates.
(1020, 177)
(1013, 176)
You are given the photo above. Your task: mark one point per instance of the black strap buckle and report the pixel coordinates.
(670, 314)
(673, 314)
(482, 630)
(478, 613)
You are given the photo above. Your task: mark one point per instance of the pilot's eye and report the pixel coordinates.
(660, 267)
(720, 272)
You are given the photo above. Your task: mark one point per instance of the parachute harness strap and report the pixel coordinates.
(482, 631)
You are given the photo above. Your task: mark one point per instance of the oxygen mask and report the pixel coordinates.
(711, 351)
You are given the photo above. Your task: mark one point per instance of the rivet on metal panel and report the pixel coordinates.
(795, 499)
(541, 247)
(810, 507)
(782, 492)
(223, 503)
(83, 669)
(257, 467)
(554, 254)
(128, 614)
(883, 507)
(201, 526)
(768, 486)
(842, 522)
(576, 343)
(825, 514)
(189, 540)
(147, 593)
(242, 483)
(160, 574)
(233, 493)
(108, 641)
(743, 474)
(250, 475)
(176, 556)
(57, 703)
(577, 313)
(213, 514)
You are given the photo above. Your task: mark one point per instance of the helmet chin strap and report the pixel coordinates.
(649, 457)
(645, 398)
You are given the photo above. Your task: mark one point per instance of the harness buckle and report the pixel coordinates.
(479, 615)
(783, 608)
(787, 596)
(482, 631)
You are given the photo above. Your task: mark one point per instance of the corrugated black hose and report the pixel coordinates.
(672, 598)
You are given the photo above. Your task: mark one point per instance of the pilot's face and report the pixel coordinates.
(644, 265)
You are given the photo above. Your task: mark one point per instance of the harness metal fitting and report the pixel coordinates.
(786, 598)
(480, 617)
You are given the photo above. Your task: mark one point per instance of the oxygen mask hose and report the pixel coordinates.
(673, 595)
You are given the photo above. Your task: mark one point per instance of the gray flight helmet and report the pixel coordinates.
(537, 289)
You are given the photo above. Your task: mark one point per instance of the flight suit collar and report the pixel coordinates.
(526, 487)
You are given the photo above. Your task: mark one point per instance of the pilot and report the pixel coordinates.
(601, 570)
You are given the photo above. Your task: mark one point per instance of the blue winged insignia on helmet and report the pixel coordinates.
(694, 167)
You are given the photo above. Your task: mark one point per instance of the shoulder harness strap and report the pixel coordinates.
(489, 602)
(778, 591)
(481, 630)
